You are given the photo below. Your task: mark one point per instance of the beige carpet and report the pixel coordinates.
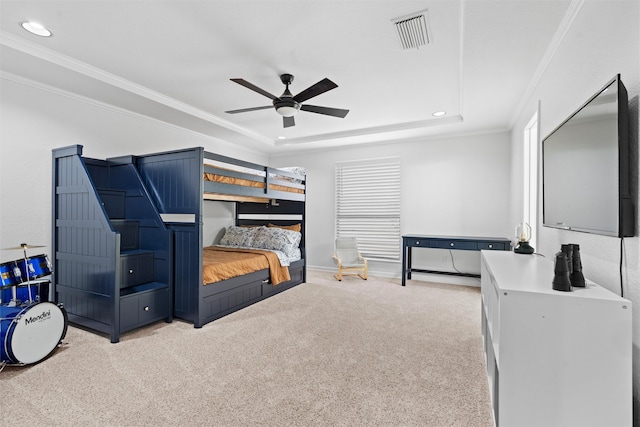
(332, 353)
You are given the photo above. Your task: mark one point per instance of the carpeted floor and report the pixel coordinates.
(350, 353)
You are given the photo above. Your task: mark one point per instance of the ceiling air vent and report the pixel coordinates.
(413, 31)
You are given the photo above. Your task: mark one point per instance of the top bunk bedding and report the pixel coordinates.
(231, 179)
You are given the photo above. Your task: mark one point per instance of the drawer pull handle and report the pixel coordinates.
(265, 281)
(130, 271)
(452, 244)
(490, 246)
(146, 308)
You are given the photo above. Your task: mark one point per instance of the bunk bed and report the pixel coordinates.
(265, 199)
(148, 209)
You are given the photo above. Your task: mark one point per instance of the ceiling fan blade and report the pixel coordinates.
(244, 110)
(335, 112)
(254, 88)
(322, 86)
(288, 121)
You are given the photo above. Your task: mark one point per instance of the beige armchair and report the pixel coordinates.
(350, 262)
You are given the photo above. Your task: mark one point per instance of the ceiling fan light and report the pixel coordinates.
(287, 111)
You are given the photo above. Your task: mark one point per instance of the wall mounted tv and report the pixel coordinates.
(586, 167)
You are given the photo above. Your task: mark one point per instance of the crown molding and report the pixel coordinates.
(563, 29)
(53, 57)
(112, 108)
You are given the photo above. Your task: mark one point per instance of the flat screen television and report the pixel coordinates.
(586, 167)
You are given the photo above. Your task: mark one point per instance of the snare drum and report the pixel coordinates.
(10, 274)
(37, 266)
(29, 334)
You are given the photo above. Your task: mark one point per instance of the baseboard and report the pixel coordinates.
(424, 277)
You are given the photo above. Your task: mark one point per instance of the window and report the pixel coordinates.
(368, 206)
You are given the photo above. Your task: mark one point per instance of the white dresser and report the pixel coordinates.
(553, 358)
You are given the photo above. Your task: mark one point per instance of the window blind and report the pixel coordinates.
(368, 206)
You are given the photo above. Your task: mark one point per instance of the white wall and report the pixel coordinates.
(35, 119)
(449, 186)
(585, 61)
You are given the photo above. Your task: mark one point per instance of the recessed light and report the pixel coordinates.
(282, 137)
(439, 113)
(37, 29)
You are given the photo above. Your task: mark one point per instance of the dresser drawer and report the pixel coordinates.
(142, 308)
(453, 244)
(493, 246)
(136, 269)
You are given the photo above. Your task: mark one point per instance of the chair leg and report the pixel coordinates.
(365, 272)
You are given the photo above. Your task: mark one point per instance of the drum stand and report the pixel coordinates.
(26, 268)
(14, 289)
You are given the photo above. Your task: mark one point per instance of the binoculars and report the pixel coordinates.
(568, 269)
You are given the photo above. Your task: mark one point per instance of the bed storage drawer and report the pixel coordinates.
(296, 272)
(136, 269)
(142, 308)
(230, 295)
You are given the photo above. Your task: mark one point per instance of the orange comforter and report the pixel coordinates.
(225, 263)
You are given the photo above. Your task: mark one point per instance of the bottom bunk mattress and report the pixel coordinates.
(220, 263)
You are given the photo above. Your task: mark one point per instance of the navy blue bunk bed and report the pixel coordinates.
(177, 185)
(112, 262)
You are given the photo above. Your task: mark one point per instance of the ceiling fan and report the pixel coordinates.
(288, 105)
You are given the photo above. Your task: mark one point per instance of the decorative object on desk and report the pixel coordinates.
(577, 278)
(523, 234)
(561, 278)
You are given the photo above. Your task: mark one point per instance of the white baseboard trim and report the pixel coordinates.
(425, 277)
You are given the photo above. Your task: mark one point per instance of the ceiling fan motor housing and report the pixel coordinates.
(286, 107)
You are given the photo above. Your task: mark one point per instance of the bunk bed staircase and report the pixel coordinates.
(112, 252)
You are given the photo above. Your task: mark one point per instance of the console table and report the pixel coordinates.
(553, 358)
(447, 242)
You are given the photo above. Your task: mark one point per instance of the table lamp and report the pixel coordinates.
(523, 235)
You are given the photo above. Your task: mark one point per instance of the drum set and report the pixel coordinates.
(31, 327)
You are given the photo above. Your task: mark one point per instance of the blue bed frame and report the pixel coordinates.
(176, 185)
(164, 193)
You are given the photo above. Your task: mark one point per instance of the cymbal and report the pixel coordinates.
(25, 246)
